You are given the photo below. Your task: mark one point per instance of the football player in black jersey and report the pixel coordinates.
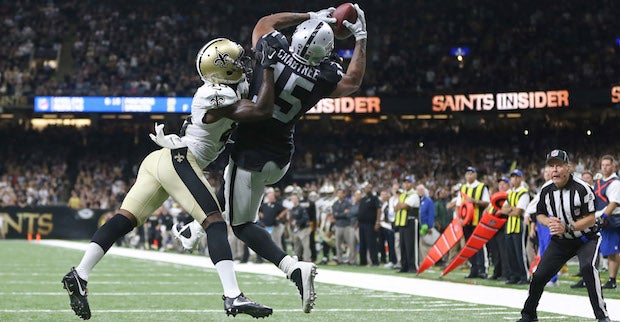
(305, 72)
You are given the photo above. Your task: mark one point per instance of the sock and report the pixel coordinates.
(287, 264)
(613, 279)
(226, 271)
(111, 231)
(93, 254)
(259, 240)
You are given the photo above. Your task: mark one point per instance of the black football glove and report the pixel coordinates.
(266, 56)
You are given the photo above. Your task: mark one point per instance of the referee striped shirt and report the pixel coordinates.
(575, 200)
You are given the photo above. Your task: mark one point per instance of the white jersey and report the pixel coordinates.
(206, 141)
(324, 207)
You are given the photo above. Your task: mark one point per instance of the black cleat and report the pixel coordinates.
(241, 304)
(610, 284)
(76, 287)
(579, 284)
(303, 275)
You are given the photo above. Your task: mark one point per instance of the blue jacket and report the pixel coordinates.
(427, 211)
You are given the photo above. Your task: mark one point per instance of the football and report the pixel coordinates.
(345, 11)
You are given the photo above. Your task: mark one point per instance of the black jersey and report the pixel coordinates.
(298, 88)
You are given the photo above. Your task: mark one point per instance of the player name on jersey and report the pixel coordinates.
(287, 59)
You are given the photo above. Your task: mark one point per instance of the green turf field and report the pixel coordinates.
(123, 289)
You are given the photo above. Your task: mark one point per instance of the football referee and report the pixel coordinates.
(566, 206)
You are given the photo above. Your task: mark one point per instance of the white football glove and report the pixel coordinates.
(170, 141)
(358, 29)
(243, 88)
(324, 15)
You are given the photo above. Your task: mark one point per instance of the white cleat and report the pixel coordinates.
(303, 276)
(189, 234)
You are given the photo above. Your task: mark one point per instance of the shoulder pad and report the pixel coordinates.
(331, 71)
(213, 96)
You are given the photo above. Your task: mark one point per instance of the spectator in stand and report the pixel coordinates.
(514, 208)
(497, 244)
(344, 231)
(352, 251)
(427, 221)
(394, 198)
(75, 201)
(300, 223)
(442, 216)
(588, 177)
(406, 221)
(386, 233)
(369, 219)
(309, 204)
(477, 193)
(326, 222)
(273, 215)
(607, 191)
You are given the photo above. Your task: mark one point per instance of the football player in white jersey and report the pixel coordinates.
(176, 170)
(305, 72)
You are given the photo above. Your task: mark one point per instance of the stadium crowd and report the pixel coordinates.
(137, 49)
(43, 167)
(80, 176)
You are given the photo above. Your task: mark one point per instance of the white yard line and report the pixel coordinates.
(572, 305)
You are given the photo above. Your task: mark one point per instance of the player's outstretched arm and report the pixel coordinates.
(281, 20)
(352, 80)
(246, 110)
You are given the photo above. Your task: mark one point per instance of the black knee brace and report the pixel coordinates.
(111, 231)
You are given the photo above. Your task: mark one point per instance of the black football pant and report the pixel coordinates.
(387, 236)
(517, 260)
(409, 246)
(368, 244)
(558, 253)
(497, 250)
(477, 261)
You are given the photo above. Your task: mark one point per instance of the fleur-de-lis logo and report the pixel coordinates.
(179, 157)
(222, 59)
(217, 100)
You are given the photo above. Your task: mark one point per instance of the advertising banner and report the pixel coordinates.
(492, 102)
(50, 222)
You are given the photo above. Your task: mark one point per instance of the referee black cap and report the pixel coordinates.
(558, 155)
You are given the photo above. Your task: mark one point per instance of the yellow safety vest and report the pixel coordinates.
(513, 224)
(400, 220)
(475, 193)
